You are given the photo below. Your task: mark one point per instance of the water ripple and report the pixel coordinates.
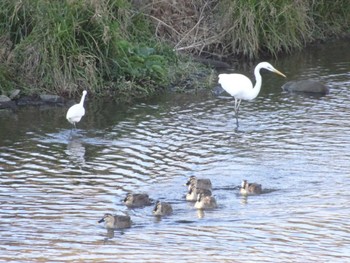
(57, 183)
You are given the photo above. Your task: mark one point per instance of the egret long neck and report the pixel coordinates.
(82, 99)
(258, 81)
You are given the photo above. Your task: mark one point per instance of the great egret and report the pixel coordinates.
(77, 111)
(241, 88)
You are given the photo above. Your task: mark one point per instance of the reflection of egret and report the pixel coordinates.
(76, 151)
(77, 111)
(241, 88)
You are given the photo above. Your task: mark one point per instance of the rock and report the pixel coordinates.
(14, 94)
(4, 98)
(47, 98)
(218, 90)
(29, 100)
(6, 102)
(307, 86)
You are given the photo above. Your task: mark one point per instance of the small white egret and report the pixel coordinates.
(77, 111)
(241, 88)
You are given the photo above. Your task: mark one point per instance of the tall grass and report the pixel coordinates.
(249, 28)
(66, 46)
(111, 46)
(331, 18)
(254, 27)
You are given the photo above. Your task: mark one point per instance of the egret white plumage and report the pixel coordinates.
(241, 87)
(77, 111)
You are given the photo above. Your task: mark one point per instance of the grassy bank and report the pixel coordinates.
(136, 48)
(247, 29)
(63, 47)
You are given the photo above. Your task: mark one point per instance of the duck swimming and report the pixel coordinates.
(205, 202)
(162, 209)
(202, 183)
(250, 188)
(137, 200)
(192, 194)
(116, 221)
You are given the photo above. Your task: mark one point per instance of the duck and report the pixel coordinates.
(202, 183)
(162, 209)
(250, 188)
(137, 200)
(116, 221)
(205, 202)
(192, 194)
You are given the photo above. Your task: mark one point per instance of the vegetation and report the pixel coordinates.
(249, 28)
(135, 48)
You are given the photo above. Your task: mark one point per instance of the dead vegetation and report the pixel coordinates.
(243, 28)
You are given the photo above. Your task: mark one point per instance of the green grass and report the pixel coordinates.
(112, 47)
(64, 47)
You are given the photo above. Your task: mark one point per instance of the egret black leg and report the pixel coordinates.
(237, 104)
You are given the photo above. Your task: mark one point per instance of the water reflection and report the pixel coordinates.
(76, 150)
(55, 187)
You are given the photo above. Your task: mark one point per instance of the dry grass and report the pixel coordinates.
(244, 28)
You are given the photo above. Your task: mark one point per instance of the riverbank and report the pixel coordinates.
(132, 49)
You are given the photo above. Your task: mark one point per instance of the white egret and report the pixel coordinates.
(240, 86)
(77, 111)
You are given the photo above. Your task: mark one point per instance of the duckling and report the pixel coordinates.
(137, 200)
(199, 183)
(162, 209)
(205, 202)
(117, 221)
(192, 194)
(250, 189)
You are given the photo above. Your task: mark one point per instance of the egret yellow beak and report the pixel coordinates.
(280, 73)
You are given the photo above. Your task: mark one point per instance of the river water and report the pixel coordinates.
(56, 184)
